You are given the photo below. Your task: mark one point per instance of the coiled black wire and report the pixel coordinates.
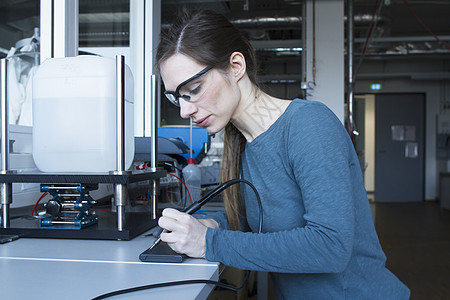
(205, 199)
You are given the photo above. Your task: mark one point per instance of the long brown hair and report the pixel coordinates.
(210, 39)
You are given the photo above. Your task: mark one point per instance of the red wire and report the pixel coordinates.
(425, 26)
(190, 199)
(37, 202)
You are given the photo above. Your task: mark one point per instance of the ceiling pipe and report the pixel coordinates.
(367, 18)
(292, 21)
(268, 22)
(395, 53)
(408, 75)
(396, 39)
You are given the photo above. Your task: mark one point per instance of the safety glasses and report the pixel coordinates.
(174, 97)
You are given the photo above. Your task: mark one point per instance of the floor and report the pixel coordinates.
(416, 240)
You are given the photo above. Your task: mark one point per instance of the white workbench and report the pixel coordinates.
(83, 269)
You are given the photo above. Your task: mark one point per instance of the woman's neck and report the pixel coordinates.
(256, 112)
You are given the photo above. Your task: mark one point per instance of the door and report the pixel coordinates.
(399, 147)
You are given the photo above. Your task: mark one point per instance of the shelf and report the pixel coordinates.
(135, 223)
(87, 178)
(106, 229)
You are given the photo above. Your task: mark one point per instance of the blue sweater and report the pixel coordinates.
(318, 240)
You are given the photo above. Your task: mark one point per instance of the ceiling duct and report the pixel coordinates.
(367, 18)
(257, 29)
(292, 21)
(296, 21)
(272, 22)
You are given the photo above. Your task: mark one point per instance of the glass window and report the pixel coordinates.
(104, 27)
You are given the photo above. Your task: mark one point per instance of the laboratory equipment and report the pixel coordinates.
(121, 220)
(69, 207)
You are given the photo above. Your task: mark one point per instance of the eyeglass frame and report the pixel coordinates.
(176, 94)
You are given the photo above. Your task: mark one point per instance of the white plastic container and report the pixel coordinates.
(192, 178)
(74, 115)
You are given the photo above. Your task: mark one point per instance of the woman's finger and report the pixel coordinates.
(173, 213)
(169, 224)
(168, 237)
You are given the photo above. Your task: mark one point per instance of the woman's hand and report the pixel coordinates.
(184, 233)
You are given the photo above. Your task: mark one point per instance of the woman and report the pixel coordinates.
(318, 239)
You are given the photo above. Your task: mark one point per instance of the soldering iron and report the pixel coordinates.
(191, 209)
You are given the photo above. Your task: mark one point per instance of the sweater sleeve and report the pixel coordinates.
(318, 153)
(221, 219)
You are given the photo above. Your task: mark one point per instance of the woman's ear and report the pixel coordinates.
(238, 66)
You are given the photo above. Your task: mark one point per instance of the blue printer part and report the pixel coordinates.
(166, 148)
(201, 140)
(70, 206)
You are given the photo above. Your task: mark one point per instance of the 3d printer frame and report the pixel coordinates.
(121, 225)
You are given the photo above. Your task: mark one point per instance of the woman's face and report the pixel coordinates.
(214, 95)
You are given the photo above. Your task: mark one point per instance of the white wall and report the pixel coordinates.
(328, 37)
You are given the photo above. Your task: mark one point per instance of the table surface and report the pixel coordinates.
(83, 269)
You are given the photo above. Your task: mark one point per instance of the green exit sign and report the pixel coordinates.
(376, 86)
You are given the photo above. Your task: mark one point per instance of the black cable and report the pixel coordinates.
(166, 284)
(199, 203)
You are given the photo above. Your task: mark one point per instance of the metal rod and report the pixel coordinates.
(120, 190)
(120, 113)
(399, 39)
(72, 204)
(5, 188)
(120, 195)
(304, 52)
(62, 187)
(69, 212)
(5, 116)
(154, 138)
(154, 122)
(6, 195)
(154, 199)
(350, 42)
(62, 222)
